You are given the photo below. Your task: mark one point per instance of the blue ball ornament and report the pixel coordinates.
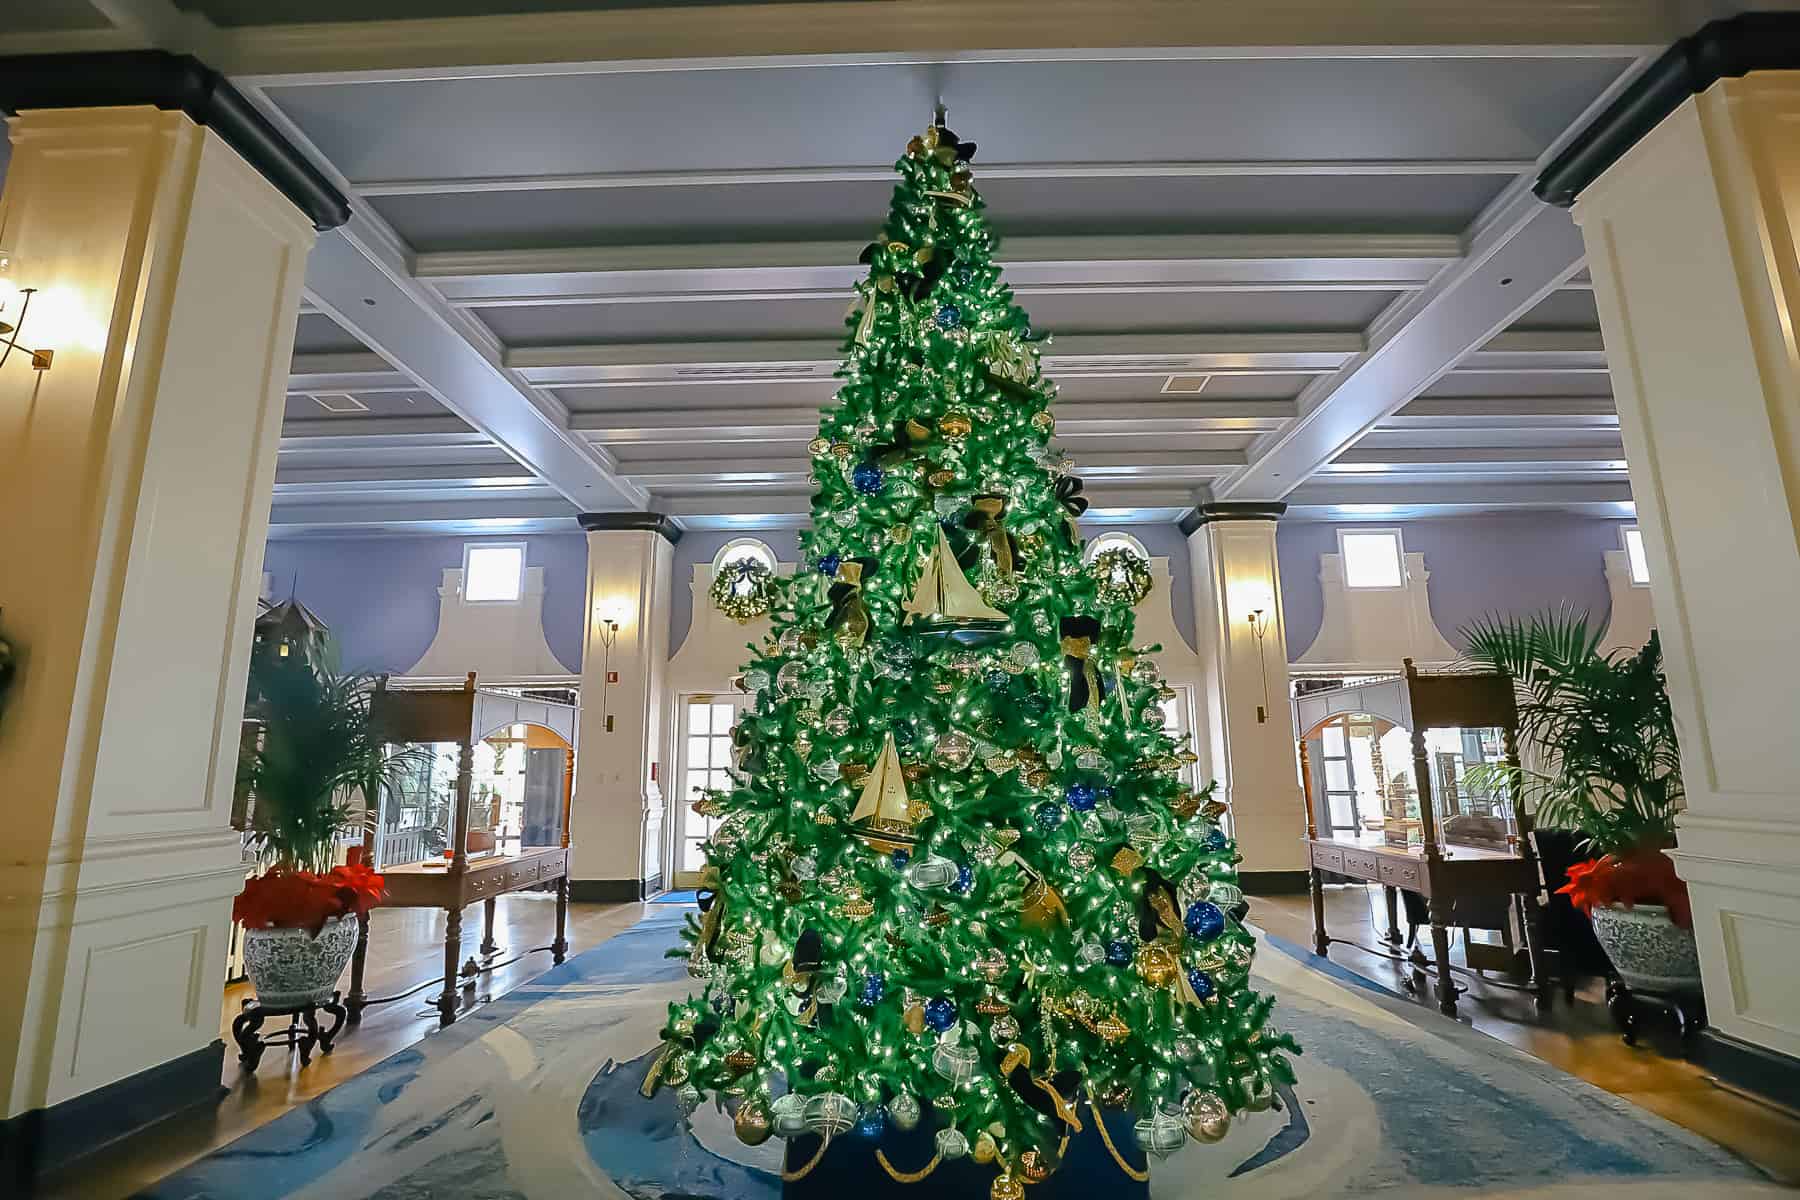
(899, 858)
(965, 879)
(1118, 953)
(1215, 840)
(1106, 793)
(868, 478)
(1204, 919)
(949, 317)
(997, 679)
(1201, 982)
(940, 1014)
(1081, 797)
(873, 1122)
(1049, 816)
(828, 565)
(873, 989)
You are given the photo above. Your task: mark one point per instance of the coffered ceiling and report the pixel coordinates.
(1306, 268)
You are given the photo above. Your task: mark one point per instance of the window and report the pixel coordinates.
(1114, 541)
(493, 573)
(1634, 556)
(738, 548)
(1372, 558)
(706, 766)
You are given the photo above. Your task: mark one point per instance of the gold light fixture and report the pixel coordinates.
(607, 615)
(15, 304)
(1257, 598)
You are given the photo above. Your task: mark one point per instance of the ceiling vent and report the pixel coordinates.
(339, 402)
(1185, 385)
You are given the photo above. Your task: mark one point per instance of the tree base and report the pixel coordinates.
(849, 1170)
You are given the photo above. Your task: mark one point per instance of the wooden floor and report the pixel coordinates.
(405, 948)
(1577, 1038)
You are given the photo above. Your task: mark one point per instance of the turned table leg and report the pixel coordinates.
(356, 1001)
(559, 949)
(1321, 942)
(1533, 928)
(1392, 897)
(488, 946)
(447, 1002)
(1440, 944)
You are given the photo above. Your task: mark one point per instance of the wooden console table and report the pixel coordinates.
(465, 716)
(1443, 872)
(416, 885)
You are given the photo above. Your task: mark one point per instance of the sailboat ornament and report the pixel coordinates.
(882, 816)
(946, 604)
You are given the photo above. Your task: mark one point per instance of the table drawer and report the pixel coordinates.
(1402, 875)
(1328, 858)
(1356, 862)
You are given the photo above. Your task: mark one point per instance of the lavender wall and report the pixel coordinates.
(699, 546)
(1479, 565)
(379, 594)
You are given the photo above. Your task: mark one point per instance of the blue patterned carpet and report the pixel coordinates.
(534, 1098)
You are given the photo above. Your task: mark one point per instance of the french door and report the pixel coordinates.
(706, 722)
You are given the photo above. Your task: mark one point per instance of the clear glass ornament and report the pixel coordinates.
(954, 750)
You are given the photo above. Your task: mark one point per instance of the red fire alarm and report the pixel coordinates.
(612, 677)
(652, 772)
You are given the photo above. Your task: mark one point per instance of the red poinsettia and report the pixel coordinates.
(284, 899)
(1640, 877)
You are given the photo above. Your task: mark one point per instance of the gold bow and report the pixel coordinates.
(984, 519)
(849, 620)
(1084, 687)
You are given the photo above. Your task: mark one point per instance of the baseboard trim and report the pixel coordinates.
(35, 1143)
(614, 891)
(1751, 1068)
(1274, 883)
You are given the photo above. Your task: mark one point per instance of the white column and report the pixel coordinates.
(1248, 730)
(1691, 241)
(618, 824)
(133, 510)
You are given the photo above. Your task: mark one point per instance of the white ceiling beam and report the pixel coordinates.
(502, 474)
(1041, 265)
(884, 173)
(1505, 412)
(1481, 495)
(352, 432)
(801, 423)
(461, 515)
(781, 360)
(1362, 460)
(354, 372)
(1523, 251)
(670, 37)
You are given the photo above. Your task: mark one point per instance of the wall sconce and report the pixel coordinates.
(15, 305)
(1259, 601)
(608, 616)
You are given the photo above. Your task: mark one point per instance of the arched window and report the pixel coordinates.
(738, 548)
(1114, 541)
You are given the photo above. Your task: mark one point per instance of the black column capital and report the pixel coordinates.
(1726, 49)
(610, 522)
(179, 83)
(1231, 510)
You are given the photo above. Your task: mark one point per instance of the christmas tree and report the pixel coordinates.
(960, 879)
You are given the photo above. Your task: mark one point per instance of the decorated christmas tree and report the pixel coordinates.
(961, 884)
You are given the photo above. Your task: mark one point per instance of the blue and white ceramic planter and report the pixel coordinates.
(1649, 951)
(290, 968)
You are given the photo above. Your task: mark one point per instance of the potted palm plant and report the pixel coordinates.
(315, 755)
(1607, 765)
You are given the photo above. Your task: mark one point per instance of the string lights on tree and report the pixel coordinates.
(959, 884)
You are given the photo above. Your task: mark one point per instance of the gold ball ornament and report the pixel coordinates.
(1005, 1187)
(1035, 1166)
(752, 1124)
(955, 425)
(1042, 421)
(986, 1149)
(819, 447)
(842, 450)
(1208, 1120)
(1157, 965)
(899, 535)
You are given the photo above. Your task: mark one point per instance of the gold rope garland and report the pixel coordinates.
(1131, 1172)
(796, 1176)
(907, 1176)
